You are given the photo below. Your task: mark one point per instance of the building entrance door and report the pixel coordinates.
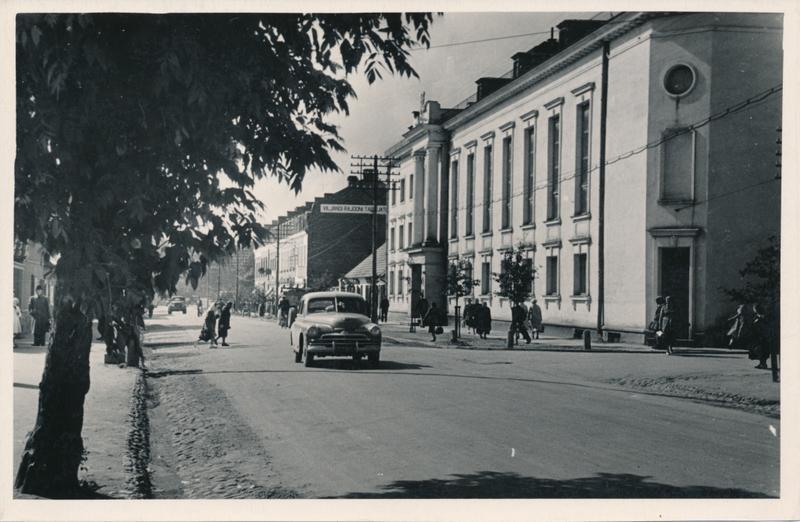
(416, 288)
(675, 266)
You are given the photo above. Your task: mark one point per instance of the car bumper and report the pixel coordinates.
(343, 348)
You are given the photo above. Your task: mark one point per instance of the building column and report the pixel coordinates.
(432, 194)
(419, 194)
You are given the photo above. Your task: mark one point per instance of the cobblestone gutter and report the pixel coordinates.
(137, 458)
(693, 388)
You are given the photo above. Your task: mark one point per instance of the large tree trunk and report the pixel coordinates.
(54, 449)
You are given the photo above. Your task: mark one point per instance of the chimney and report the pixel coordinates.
(525, 61)
(570, 31)
(352, 181)
(487, 86)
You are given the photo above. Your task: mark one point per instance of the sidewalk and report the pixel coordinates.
(397, 332)
(106, 425)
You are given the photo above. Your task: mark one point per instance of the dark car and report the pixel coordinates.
(334, 324)
(177, 304)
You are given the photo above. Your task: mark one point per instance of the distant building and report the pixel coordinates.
(225, 279)
(687, 201)
(320, 241)
(359, 279)
(32, 267)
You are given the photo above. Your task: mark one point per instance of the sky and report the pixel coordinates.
(382, 111)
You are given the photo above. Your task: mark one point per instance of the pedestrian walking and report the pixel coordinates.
(224, 322)
(283, 309)
(17, 319)
(199, 308)
(433, 321)
(665, 336)
(209, 330)
(740, 334)
(519, 315)
(262, 309)
(535, 319)
(39, 309)
(484, 321)
(384, 309)
(469, 315)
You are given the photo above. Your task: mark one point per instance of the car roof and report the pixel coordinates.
(313, 295)
(177, 297)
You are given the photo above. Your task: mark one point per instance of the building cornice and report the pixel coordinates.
(621, 24)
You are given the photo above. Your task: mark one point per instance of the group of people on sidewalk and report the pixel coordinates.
(749, 331)
(39, 312)
(216, 325)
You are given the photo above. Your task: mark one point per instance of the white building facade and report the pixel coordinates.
(597, 158)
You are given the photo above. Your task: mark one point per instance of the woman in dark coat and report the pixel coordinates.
(225, 322)
(665, 325)
(208, 333)
(484, 321)
(432, 320)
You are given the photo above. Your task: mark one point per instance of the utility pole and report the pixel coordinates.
(277, 264)
(236, 298)
(377, 163)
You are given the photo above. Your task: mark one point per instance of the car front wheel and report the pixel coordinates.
(298, 355)
(309, 359)
(374, 359)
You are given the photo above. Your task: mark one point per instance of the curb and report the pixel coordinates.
(137, 454)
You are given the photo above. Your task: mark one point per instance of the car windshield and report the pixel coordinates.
(353, 305)
(178, 299)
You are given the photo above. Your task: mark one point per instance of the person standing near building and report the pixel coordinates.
(666, 339)
(384, 309)
(17, 319)
(39, 309)
(422, 307)
(535, 319)
(484, 321)
(224, 322)
(519, 315)
(469, 315)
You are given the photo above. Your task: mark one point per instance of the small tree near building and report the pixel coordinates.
(459, 284)
(516, 275)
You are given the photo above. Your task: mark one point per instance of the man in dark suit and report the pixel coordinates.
(39, 309)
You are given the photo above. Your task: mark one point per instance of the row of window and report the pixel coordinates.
(401, 236)
(399, 189)
(580, 279)
(583, 137)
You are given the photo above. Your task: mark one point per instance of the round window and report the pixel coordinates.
(679, 80)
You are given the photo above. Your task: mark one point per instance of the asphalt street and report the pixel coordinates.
(432, 423)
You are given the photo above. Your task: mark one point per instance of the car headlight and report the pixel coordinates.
(375, 331)
(313, 332)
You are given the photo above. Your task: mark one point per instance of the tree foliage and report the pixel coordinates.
(760, 277)
(516, 277)
(125, 123)
(459, 278)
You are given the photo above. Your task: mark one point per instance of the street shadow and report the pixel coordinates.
(29, 349)
(169, 344)
(166, 373)
(713, 355)
(349, 364)
(24, 385)
(161, 327)
(493, 484)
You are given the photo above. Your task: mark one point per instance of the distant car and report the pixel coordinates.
(176, 304)
(334, 324)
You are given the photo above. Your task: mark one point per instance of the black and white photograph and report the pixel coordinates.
(420, 261)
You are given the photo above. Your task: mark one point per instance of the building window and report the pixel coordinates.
(528, 262)
(394, 196)
(410, 233)
(487, 188)
(468, 270)
(486, 277)
(554, 153)
(411, 186)
(678, 157)
(454, 199)
(580, 272)
(470, 203)
(529, 181)
(391, 239)
(402, 190)
(400, 238)
(582, 160)
(679, 80)
(400, 280)
(508, 176)
(552, 275)
(391, 282)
